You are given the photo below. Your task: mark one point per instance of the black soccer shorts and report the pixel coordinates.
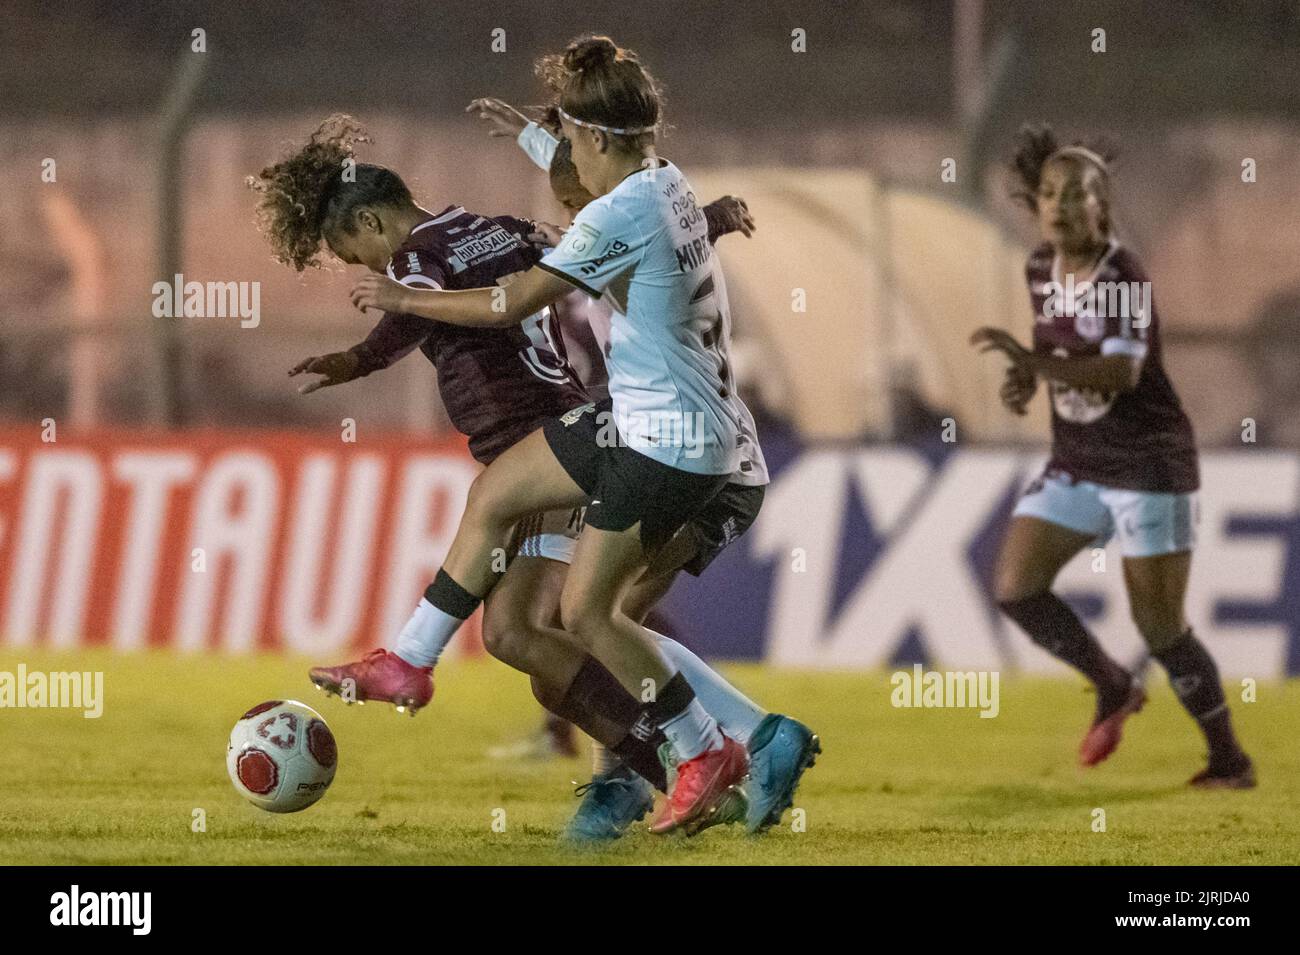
(626, 487)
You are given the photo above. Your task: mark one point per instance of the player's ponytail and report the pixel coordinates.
(317, 189)
(600, 85)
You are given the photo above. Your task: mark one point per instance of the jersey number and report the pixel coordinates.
(542, 357)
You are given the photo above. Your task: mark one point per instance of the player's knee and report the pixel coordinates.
(580, 616)
(1159, 626)
(571, 610)
(483, 503)
(1010, 589)
(505, 633)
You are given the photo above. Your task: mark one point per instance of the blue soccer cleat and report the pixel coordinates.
(779, 752)
(610, 804)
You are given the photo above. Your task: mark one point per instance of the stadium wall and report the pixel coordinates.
(863, 556)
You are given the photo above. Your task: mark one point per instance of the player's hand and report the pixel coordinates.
(736, 214)
(335, 369)
(502, 118)
(989, 339)
(1018, 389)
(379, 292)
(546, 236)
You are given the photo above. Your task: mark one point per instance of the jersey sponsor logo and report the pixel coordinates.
(1079, 405)
(687, 212)
(612, 251)
(470, 251)
(413, 262)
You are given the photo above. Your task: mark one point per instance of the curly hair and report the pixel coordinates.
(1035, 144)
(598, 81)
(317, 189)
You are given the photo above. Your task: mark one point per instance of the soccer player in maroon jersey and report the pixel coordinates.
(1123, 456)
(495, 383)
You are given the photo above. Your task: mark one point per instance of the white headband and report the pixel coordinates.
(606, 129)
(1080, 152)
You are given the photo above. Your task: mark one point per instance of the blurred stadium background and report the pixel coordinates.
(186, 433)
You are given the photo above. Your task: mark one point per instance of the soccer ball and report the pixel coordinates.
(281, 756)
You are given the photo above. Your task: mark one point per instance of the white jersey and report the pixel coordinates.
(646, 243)
(540, 146)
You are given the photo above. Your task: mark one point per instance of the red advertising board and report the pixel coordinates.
(220, 540)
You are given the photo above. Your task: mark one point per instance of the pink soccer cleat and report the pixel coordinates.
(379, 675)
(704, 790)
(1104, 735)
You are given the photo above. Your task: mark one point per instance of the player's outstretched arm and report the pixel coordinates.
(502, 118)
(481, 307)
(395, 336)
(1109, 373)
(334, 369)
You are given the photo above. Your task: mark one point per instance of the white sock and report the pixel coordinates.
(425, 635)
(692, 732)
(736, 713)
(603, 760)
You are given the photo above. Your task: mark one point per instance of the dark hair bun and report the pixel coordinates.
(592, 52)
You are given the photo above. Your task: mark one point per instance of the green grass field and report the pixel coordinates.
(894, 786)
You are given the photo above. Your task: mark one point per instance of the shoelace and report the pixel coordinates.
(601, 786)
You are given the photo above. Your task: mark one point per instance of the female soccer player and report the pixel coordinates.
(497, 385)
(1123, 456)
(779, 746)
(662, 448)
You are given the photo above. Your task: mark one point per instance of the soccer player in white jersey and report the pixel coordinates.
(780, 747)
(662, 448)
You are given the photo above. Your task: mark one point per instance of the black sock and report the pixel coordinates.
(1056, 628)
(598, 704)
(1195, 680)
(642, 756)
(450, 597)
(556, 724)
(668, 704)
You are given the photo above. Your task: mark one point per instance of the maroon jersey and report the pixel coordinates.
(498, 384)
(1138, 439)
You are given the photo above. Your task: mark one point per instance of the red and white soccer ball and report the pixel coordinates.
(281, 756)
